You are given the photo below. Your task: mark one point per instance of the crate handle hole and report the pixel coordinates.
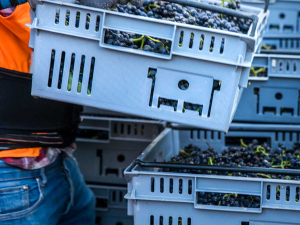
(278, 96)
(121, 158)
(109, 171)
(183, 85)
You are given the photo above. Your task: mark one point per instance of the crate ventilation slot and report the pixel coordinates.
(63, 69)
(165, 220)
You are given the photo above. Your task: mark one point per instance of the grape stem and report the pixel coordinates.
(264, 175)
(184, 152)
(138, 39)
(256, 72)
(155, 40)
(242, 143)
(266, 47)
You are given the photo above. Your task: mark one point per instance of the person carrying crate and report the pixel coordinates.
(40, 182)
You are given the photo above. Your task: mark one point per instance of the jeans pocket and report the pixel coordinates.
(15, 202)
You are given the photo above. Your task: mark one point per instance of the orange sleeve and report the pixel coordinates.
(15, 53)
(23, 152)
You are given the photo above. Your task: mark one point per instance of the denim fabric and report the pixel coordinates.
(52, 195)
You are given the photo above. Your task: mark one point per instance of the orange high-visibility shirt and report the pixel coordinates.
(16, 55)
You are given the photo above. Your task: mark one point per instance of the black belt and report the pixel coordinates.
(26, 121)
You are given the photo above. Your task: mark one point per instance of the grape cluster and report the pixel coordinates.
(135, 41)
(189, 15)
(233, 200)
(252, 155)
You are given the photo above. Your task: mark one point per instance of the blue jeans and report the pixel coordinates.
(52, 195)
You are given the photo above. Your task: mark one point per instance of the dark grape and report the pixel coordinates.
(189, 15)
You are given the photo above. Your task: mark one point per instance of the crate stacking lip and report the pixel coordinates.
(274, 96)
(155, 196)
(111, 207)
(73, 64)
(283, 19)
(106, 146)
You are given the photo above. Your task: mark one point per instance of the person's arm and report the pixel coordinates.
(4, 4)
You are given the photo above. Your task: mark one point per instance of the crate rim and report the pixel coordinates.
(119, 119)
(246, 127)
(259, 12)
(130, 170)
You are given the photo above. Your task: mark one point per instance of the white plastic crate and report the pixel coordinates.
(156, 197)
(106, 146)
(284, 17)
(117, 78)
(111, 207)
(273, 97)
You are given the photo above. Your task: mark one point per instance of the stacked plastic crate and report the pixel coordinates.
(107, 143)
(198, 84)
(269, 111)
(274, 84)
